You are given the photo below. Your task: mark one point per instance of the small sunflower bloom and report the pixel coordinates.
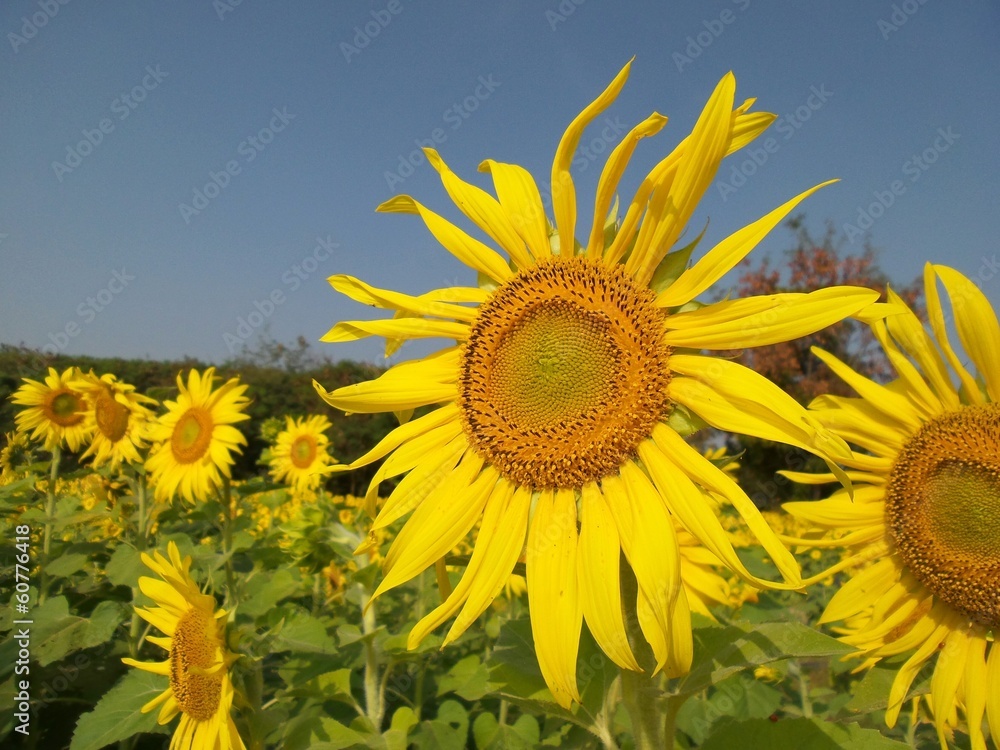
(57, 411)
(195, 439)
(200, 688)
(557, 427)
(301, 452)
(921, 535)
(117, 419)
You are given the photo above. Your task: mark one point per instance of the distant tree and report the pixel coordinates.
(811, 264)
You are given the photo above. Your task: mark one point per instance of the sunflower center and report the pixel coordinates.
(192, 435)
(192, 652)
(65, 408)
(564, 373)
(111, 417)
(943, 509)
(303, 451)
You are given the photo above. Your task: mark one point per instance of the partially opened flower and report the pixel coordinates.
(558, 403)
(925, 514)
(200, 689)
(195, 439)
(118, 418)
(301, 452)
(56, 413)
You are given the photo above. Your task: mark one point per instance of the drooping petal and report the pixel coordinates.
(469, 250)
(483, 209)
(600, 589)
(722, 258)
(976, 688)
(948, 671)
(977, 326)
(904, 677)
(553, 592)
(935, 315)
(518, 195)
(614, 167)
(992, 685)
(563, 192)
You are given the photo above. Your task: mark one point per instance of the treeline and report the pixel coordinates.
(280, 379)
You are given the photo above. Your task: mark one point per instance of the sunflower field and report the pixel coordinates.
(542, 555)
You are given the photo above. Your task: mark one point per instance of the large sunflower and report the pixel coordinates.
(301, 451)
(195, 438)
(926, 507)
(559, 401)
(200, 688)
(118, 417)
(56, 413)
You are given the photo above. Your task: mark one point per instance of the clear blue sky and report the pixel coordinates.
(97, 238)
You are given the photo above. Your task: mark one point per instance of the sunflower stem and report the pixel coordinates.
(50, 512)
(374, 707)
(227, 541)
(807, 709)
(140, 545)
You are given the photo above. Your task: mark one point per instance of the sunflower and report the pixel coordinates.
(56, 412)
(117, 418)
(16, 454)
(575, 365)
(195, 438)
(200, 688)
(922, 534)
(300, 452)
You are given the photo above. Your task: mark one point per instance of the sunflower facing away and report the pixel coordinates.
(557, 403)
(195, 438)
(926, 508)
(56, 413)
(118, 417)
(300, 452)
(200, 689)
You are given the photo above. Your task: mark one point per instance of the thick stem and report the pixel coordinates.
(50, 513)
(140, 544)
(373, 695)
(227, 541)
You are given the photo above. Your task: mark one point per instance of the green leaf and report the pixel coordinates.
(265, 590)
(125, 566)
(815, 734)
(448, 731)
(490, 735)
(871, 693)
(58, 633)
(723, 651)
(332, 735)
(303, 633)
(673, 265)
(66, 565)
(740, 697)
(116, 716)
(396, 736)
(469, 679)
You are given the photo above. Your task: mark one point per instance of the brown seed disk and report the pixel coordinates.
(192, 650)
(564, 372)
(943, 510)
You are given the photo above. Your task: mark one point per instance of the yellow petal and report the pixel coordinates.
(977, 326)
(600, 590)
(861, 591)
(439, 523)
(397, 328)
(860, 423)
(906, 674)
(553, 595)
(935, 315)
(428, 469)
(470, 251)
(722, 258)
(518, 195)
(614, 167)
(992, 684)
(976, 689)
(789, 318)
(405, 432)
(681, 638)
(649, 541)
(162, 667)
(390, 300)
(920, 393)
(563, 192)
(390, 393)
(951, 663)
(483, 209)
(703, 152)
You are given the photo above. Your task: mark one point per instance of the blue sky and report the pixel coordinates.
(294, 121)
